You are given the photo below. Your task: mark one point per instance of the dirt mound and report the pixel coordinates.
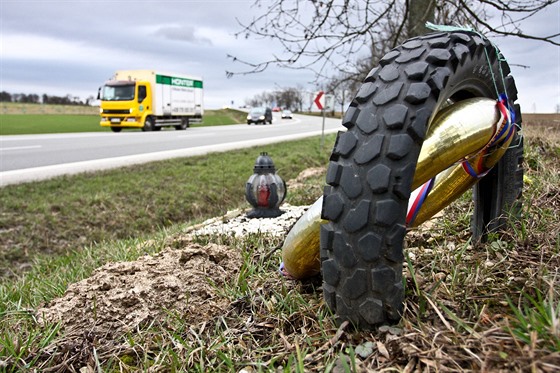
(120, 297)
(299, 181)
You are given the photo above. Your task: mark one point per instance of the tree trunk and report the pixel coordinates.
(420, 11)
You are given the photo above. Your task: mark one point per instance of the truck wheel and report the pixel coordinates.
(184, 124)
(148, 125)
(116, 129)
(372, 166)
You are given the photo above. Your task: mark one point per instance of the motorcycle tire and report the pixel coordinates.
(372, 166)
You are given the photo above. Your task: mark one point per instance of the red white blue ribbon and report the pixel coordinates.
(419, 201)
(503, 133)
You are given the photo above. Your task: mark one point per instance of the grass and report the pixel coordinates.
(490, 307)
(20, 119)
(222, 117)
(65, 213)
(18, 108)
(23, 124)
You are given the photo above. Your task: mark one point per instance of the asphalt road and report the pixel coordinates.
(35, 157)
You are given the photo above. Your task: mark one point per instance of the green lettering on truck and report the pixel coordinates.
(171, 80)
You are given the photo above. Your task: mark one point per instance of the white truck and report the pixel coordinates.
(150, 100)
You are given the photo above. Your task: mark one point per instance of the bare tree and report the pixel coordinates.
(346, 38)
(287, 98)
(5, 96)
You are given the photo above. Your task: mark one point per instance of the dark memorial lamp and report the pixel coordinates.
(265, 190)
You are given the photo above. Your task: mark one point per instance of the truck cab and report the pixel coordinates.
(123, 105)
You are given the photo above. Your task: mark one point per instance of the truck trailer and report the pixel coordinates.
(150, 100)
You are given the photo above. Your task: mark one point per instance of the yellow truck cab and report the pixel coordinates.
(150, 100)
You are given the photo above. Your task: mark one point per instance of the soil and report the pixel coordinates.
(121, 297)
(299, 181)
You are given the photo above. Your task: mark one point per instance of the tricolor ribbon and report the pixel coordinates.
(419, 201)
(505, 130)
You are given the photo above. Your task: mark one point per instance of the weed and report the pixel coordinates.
(536, 319)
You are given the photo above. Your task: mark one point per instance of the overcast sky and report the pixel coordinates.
(61, 47)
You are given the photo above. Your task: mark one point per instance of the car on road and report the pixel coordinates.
(286, 114)
(259, 115)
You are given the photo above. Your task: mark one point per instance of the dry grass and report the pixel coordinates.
(548, 120)
(25, 108)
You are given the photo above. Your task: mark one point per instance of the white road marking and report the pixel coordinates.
(196, 135)
(21, 147)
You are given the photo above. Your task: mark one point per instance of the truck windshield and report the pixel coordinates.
(118, 92)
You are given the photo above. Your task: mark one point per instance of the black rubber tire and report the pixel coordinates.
(116, 129)
(184, 124)
(498, 195)
(148, 125)
(373, 163)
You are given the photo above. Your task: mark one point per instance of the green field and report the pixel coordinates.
(23, 124)
(20, 119)
(28, 108)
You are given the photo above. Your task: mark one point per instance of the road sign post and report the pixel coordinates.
(320, 103)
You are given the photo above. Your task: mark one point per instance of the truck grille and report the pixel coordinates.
(116, 111)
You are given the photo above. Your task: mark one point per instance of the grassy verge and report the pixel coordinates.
(62, 214)
(492, 307)
(222, 117)
(22, 119)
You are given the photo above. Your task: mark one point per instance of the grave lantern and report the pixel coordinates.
(265, 190)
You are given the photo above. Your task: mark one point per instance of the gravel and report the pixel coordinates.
(236, 223)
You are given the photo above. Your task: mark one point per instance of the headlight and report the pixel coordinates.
(100, 110)
(248, 117)
(261, 117)
(131, 110)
